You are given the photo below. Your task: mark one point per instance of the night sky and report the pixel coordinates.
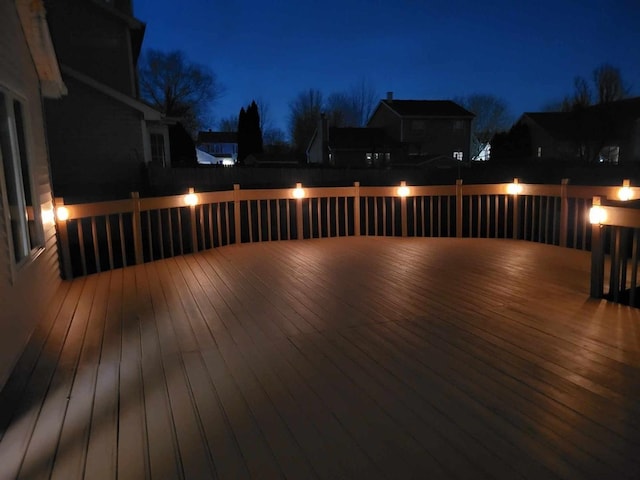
(528, 53)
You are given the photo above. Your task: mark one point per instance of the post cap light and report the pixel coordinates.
(597, 215)
(514, 188)
(298, 192)
(62, 214)
(191, 199)
(403, 190)
(625, 193)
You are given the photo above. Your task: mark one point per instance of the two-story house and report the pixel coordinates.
(100, 134)
(350, 146)
(222, 146)
(29, 273)
(426, 129)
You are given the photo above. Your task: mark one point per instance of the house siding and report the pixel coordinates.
(385, 118)
(96, 149)
(92, 41)
(24, 294)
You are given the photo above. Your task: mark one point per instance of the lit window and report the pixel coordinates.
(458, 155)
(369, 158)
(539, 152)
(25, 235)
(610, 154)
(387, 157)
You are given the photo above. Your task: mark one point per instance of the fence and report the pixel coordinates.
(105, 235)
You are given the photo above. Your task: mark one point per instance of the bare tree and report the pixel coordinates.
(364, 98)
(265, 114)
(491, 114)
(609, 84)
(353, 107)
(304, 113)
(177, 87)
(228, 124)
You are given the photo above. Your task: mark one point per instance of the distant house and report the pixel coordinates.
(101, 133)
(606, 133)
(29, 274)
(223, 146)
(426, 129)
(350, 147)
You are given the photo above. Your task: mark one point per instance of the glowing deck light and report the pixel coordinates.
(625, 193)
(403, 190)
(514, 188)
(191, 199)
(62, 214)
(597, 215)
(298, 192)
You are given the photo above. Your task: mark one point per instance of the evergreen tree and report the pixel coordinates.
(249, 132)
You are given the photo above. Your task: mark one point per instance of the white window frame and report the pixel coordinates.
(32, 240)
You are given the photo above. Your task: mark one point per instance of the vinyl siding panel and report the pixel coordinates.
(25, 292)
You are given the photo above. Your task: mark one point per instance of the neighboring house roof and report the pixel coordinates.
(426, 108)
(217, 137)
(33, 18)
(557, 124)
(148, 112)
(594, 120)
(357, 138)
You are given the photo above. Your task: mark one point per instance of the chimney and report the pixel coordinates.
(389, 96)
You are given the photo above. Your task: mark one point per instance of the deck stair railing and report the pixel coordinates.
(100, 236)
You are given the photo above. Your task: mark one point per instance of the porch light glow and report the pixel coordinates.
(48, 218)
(298, 192)
(403, 190)
(625, 192)
(62, 214)
(191, 199)
(597, 215)
(514, 188)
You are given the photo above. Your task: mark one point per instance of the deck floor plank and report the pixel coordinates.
(331, 358)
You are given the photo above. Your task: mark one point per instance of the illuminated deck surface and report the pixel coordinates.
(335, 358)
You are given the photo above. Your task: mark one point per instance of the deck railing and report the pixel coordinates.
(616, 250)
(99, 236)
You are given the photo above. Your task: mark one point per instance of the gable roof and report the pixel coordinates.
(426, 108)
(217, 137)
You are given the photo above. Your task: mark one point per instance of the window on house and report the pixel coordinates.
(458, 155)
(387, 157)
(539, 152)
(610, 154)
(369, 158)
(25, 234)
(418, 126)
(458, 125)
(157, 149)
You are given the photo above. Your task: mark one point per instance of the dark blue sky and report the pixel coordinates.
(528, 53)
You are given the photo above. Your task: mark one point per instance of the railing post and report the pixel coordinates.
(403, 211)
(516, 213)
(137, 228)
(564, 213)
(356, 209)
(597, 257)
(299, 216)
(459, 208)
(64, 252)
(192, 220)
(236, 213)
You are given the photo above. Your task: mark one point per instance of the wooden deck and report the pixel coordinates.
(341, 358)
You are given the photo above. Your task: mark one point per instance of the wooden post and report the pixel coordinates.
(299, 216)
(516, 213)
(356, 209)
(64, 251)
(564, 213)
(137, 228)
(236, 213)
(597, 257)
(403, 211)
(459, 208)
(193, 230)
